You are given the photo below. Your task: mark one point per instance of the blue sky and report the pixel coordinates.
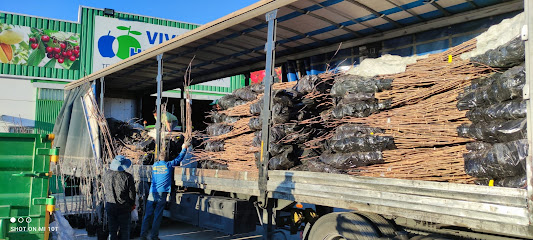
(191, 11)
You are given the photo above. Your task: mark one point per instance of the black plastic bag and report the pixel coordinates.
(214, 146)
(280, 113)
(478, 146)
(310, 83)
(507, 86)
(512, 182)
(217, 129)
(356, 97)
(227, 101)
(245, 94)
(282, 97)
(507, 55)
(258, 88)
(302, 152)
(281, 161)
(359, 109)
(214, 165)
(255, 123)
(354, 130)
(500, 161)
(277, 133)
(478, 83)
(496, 131)
(351, 159)
(362, 144)
(501, 111)
(356, 84)
(240, 102)
(277, 149)
(275, 136)
(217, 117)
(317, 166)
(256, 108)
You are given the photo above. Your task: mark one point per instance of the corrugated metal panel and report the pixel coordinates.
(87, 30)
(47, 107)
(46, 114)
(50, 94)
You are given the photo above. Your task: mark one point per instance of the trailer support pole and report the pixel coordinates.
(159, 80)
(527, 93)
(267, 113)
(102, 90)
(182, 109)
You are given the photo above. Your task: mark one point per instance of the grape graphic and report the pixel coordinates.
(105, 45)
(125, 42)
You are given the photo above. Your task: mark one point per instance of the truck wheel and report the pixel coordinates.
(337, 226)
(383, 226)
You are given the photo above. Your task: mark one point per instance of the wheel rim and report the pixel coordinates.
(334, 237)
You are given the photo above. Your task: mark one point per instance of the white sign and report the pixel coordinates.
(115, 40)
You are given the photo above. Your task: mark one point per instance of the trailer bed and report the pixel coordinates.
(487, 209)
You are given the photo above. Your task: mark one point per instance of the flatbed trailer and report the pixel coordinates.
(470, 211)
(376, 204)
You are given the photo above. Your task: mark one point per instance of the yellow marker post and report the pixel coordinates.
(491, 183)
(450, 58)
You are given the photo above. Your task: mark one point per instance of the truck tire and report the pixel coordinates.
(383, 226)
(336, 226)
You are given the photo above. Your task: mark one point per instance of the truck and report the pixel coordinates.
(308, 202)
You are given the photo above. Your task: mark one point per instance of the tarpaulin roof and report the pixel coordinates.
(234, 44)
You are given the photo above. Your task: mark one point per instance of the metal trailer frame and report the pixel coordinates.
(499, 211)
(493, 210)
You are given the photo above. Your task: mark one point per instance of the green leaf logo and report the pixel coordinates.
(123, 28)
(135, 33)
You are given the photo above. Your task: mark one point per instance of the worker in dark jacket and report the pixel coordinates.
(120, 197)
(157, 199)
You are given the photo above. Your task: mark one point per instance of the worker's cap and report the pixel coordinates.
(120, 163)
(214, 102)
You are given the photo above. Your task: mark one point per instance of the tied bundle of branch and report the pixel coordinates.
(238, 154)
(415, 113)
(443, 164)
(188, 110)
(240, 127)
(433, 75)
(424, 118)
(241, 110)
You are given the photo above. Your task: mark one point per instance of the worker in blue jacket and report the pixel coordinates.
(161, 180)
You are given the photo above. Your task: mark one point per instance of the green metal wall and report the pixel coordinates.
(236, 82)
(47, 107)
(42, 23)
(87, 29)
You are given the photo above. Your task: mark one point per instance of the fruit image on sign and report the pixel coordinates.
(105, 45)
(127, 45)
(8, 38)
(116, 39)
(38, 47)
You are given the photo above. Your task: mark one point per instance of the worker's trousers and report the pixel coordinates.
(153, 214)
(118, 218)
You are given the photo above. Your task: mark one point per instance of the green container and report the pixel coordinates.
(24, 171)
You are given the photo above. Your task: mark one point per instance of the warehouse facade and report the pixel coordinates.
(32, 76)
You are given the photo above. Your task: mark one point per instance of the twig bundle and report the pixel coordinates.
(443, 164)
(238, 153)
(240, 127)
(188, 110)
